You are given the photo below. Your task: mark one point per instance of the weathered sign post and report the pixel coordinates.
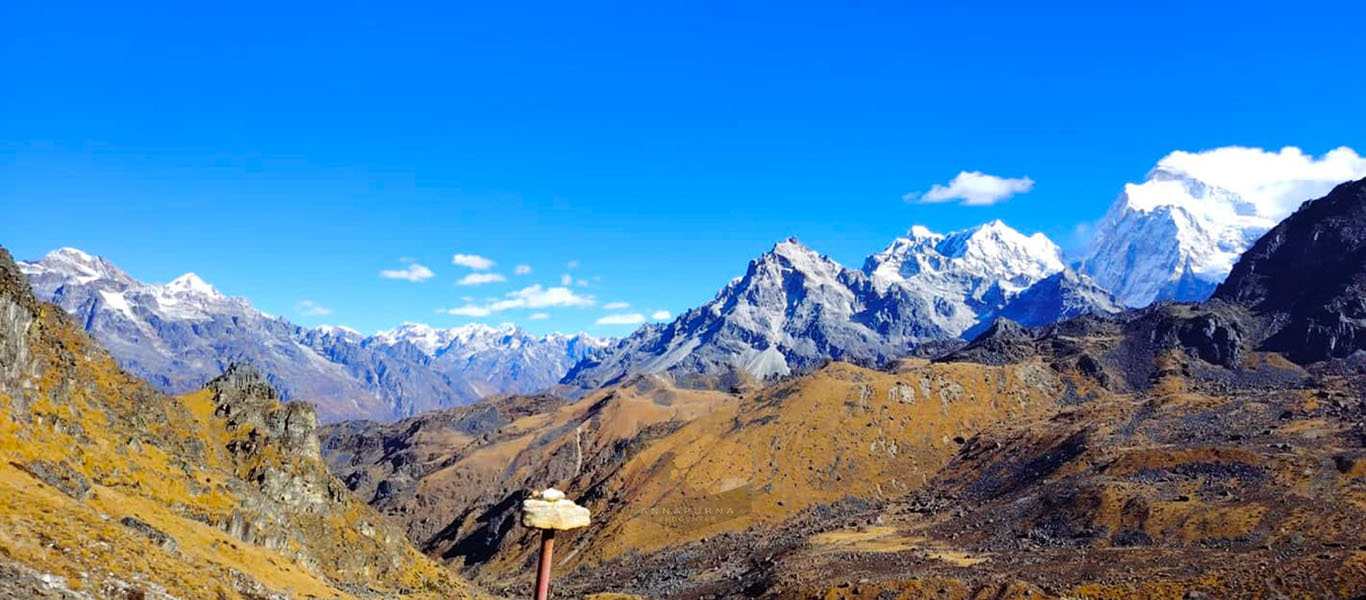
(550, 511)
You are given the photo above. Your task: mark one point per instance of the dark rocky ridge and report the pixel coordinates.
(1306, 278)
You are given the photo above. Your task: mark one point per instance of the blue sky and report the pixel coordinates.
(292, 151)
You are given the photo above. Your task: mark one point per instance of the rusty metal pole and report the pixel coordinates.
(543, 567)
(549, 511)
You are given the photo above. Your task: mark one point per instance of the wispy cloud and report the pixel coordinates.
(522, 270)
(472, 261)
(973, 188)
(540, 316)
(622, 319)
(310, 308)
(480, 279)
(566, 279)
(414, 272)
(618, 305)
(573, 264)
(469, 310)
(542, 297)
(530, 297)
(660, 315)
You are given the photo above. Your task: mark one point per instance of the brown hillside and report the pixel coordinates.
(662, 467)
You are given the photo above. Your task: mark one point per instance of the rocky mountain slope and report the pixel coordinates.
(109, 488)
(1305, 278)
(794, 308)
(1172, 452)
(181, 334)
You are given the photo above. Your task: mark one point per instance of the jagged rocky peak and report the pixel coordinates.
(1307, 278)
(790, 255)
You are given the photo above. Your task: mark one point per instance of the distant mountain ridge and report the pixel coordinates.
(1173, 237)
(183, 333)
(794, 308)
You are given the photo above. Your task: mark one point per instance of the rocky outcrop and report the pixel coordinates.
(1306, 278)
(1003, 343)
(244, 399)
(17, 310)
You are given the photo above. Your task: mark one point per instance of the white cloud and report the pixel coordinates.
(540, 316)
(413, 272)
(616, 305)
(469, 310)
(1275, 183)
(566, 279)
(531, 297)
(480, 279)
(522, 270)
(660, 315)
(472, 261)
(622, 319)
(573, 264)
(581, 283)
(974, 188)
(310, 308)
(542, 297)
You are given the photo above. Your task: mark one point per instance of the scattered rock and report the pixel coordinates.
(158, 537)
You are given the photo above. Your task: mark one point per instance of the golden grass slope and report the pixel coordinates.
(841, 432)
(661, 466)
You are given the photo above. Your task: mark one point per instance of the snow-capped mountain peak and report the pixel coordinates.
(791, 256)
(192, 284)
(964, 274)
(75, 265)
(1176, 235)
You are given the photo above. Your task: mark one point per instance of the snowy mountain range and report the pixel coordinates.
(180, 334)
(1173, 236)
(795, 308)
